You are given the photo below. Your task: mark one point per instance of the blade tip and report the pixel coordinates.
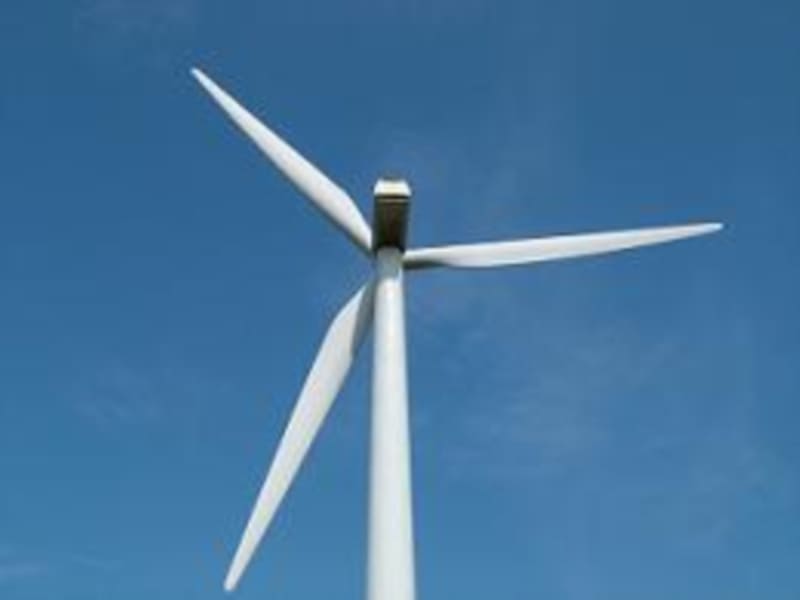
(204, 80)
(702, 228)
(231, 581)
(713, 227)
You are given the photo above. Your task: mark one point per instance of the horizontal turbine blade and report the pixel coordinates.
(334, 359)
(518, 252)
(326, 195)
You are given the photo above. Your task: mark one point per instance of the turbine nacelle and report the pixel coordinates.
(390, 215)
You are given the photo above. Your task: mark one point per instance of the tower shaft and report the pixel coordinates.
(390, 561)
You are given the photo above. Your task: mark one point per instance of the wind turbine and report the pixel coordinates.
(380, 301)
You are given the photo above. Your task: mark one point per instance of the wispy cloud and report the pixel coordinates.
(152, 30)
(551, 411)
(118, 395)
(15, 568)
(14, 571)
(702, 468)
(733, 474)
(138, 17)
(92, 563)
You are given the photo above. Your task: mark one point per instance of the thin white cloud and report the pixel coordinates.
(150, 32)
(14, 568)
(552, 411)
(15, 571)
(117, 396)
(138, 17)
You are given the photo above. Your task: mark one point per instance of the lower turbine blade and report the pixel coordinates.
(518, 252)
(327, 375)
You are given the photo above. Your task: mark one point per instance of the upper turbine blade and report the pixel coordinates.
(330, 368)
(517, 252)
(326, 195)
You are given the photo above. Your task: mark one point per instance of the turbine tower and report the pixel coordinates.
(390, 556)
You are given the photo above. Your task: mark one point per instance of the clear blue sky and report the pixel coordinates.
(615, 428)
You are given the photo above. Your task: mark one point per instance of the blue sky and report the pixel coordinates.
(615, 428)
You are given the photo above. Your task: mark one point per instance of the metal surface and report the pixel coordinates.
(390, 560)
(334, 359)
(390, 214)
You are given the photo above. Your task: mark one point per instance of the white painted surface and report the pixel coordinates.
(392, 187)
(324, 380)
(517, 252)
(390, 568)
(390, 561)
(326, 195)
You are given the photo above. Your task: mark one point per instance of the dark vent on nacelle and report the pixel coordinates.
(390, 217)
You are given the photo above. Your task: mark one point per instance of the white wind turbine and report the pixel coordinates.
(390, 561)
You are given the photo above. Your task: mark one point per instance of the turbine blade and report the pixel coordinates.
(326, 195)
(324, 380)
(517, 252)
